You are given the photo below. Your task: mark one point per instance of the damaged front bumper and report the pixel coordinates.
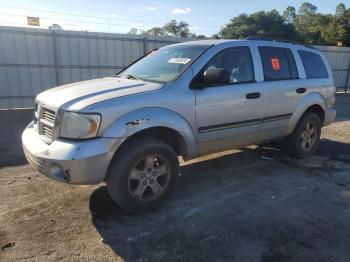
(71, 161)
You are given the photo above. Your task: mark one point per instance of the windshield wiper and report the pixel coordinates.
(132, 77)
(127, 77)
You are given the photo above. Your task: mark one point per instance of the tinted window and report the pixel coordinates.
(278, 63)
(237, 61)
(313, 65)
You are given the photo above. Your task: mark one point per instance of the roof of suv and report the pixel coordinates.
(208, 42)
(262, 41)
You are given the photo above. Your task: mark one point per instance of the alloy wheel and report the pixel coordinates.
(148, 178)
(308, 136)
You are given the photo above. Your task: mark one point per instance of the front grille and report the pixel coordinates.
(49, 115)
(46, 123)
(47, 131)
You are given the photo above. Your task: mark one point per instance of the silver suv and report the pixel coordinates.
(186, 100)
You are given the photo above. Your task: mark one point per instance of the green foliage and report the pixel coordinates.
(340, 10)
(268, 24)
(132, 31)
(175, 28)
(307, 9)
(289, 14)
(306, 25)
(155, 31)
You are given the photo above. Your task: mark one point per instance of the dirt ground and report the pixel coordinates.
(251, 204)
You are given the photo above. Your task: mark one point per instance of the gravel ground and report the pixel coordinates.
(251, 204)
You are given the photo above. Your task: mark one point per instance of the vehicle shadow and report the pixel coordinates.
(13, 123)
(333, 149)
(225, 209)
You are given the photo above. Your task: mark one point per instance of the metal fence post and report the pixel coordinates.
(55, 54)
(144, 45)
(347, 79)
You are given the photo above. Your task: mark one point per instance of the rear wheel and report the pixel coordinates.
(305, 138)
(142, 174)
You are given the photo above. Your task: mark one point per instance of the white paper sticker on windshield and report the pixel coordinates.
(179, 60)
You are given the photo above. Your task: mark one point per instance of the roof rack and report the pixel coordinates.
(255, 37)
(264, 38)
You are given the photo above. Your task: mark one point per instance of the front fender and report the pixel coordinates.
(307, 101)
(143, 118)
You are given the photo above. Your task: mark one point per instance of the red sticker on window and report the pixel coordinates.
(275, 64)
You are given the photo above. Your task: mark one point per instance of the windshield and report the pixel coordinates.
(164, 64)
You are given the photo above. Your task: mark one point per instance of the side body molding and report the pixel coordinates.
(143, 118)
(308, 100)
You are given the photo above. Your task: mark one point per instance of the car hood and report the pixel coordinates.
(78, 95)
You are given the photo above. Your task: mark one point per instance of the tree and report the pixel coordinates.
(155, 31)
(307, 9)
(200, 36)
(175, 28)
(340, 10)
(345, 21)
(289, 14)
(334, 32)
(216, 36)
(268, 24)
(317, 28)
(305, 23)
(305, 26)
(338, 29)
(133, 31)
(304, 17)
(195, 36)
(55, 27)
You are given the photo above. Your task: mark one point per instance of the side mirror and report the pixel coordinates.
(215, 76)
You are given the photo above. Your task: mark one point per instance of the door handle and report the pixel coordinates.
(253, 95)
(301, 90)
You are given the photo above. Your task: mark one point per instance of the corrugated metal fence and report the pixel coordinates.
(33, 60)
(339, 60)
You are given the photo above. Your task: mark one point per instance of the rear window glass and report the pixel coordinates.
(278, 63)
(313, 65)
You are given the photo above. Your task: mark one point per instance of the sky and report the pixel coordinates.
(119, 16)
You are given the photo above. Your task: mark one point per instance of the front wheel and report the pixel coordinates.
(305, 138)
(142, 174)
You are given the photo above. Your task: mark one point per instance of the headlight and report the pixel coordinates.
(78, 125)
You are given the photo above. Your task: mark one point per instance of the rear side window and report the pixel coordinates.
(278, 63)
(313, 65)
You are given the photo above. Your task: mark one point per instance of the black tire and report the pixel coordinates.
(124, 189)
(293, 144)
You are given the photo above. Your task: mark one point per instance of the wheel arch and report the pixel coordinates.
(166, 134)
(313, 102)
(317, 109)
(160, 123)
